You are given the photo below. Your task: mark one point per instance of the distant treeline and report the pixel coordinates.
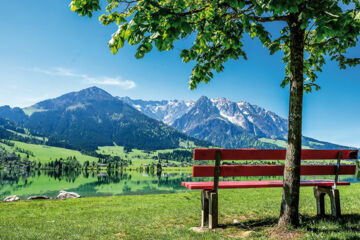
(177, 155)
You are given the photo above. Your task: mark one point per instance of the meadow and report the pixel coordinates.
(137, 156)
(45, 154)
(244, 213)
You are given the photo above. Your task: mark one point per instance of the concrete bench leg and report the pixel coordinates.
(213, 210)
(204, 207)
(335, 202)
(209, 209)
(320, 201)
(319, 193)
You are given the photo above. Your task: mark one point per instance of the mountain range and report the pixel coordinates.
(225, 123)
(189, 115)
(92, 117)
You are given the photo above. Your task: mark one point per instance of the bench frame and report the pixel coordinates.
(209, 197)
(332, 192)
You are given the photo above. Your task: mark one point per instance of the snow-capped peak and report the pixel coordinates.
(251, 118)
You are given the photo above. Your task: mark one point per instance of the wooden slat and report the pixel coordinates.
(276, 154)
(258, 184)
(270, 170)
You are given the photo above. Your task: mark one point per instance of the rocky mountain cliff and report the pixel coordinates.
(224, 123)
(166, 111)
(240, 117)
(186, 115)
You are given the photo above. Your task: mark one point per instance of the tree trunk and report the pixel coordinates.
(289, 213)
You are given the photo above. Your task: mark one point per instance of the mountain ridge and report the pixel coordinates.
(228, 124)
(92, 117)
(87, 94)
(166, 111)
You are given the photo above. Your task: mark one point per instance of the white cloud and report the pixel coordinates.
(102, 80)
(126, 84)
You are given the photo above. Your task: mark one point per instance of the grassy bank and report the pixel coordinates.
(169, 216)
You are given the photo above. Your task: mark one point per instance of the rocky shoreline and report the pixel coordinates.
(61, 196)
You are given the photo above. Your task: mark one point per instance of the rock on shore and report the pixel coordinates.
(12, 198)
(38, 197)
(65, 195)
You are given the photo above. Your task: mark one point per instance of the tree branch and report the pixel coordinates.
(271, 19)
(321, 44)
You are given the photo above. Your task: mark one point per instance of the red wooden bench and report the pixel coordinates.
(209, 193)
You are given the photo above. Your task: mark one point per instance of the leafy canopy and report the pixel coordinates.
(331, 27)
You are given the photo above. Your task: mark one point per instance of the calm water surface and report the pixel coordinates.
(106, 184)
(90, 184)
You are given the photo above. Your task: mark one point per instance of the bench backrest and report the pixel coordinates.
(270, 170)
(266, 154)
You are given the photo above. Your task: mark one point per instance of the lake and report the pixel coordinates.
(90, 183)
(106, 184)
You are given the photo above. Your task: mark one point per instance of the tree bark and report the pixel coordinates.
(289, 213)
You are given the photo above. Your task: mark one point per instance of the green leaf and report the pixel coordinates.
(120, 43)
(357, 17)
(139, 55)
(113, 50)
(294, 9)
(127, 34)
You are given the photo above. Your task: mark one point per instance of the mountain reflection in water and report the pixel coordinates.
(90, 183)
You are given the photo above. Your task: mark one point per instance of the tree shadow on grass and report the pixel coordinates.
(346, 223)
(251, 224)
(261, 227)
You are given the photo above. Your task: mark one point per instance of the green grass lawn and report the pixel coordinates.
(170, 216)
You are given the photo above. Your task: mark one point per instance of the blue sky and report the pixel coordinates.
(46, 50)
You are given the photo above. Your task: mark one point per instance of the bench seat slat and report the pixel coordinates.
(270, 170)
(274, 154)
(258, 184)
